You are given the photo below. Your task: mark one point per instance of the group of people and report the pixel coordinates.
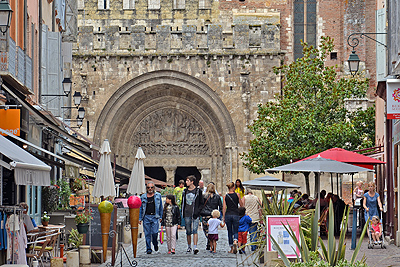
(372, 205)
(189, 205)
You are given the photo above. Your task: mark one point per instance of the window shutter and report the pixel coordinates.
(380, 49)
(100, 4)
(125, 4)
(54, 72)
(43, 61)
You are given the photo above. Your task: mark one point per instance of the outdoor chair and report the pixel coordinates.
(323, 221)
(38, 254)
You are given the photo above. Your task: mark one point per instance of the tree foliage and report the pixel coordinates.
(309, 116)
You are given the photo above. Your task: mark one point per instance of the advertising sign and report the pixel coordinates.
(281, 235)
(10, 121)
(393, 98)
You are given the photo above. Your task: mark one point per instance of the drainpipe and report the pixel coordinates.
(40, 52)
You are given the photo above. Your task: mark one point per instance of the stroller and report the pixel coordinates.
(371, 243)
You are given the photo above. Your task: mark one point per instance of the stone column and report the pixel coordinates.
(170, 171)
(206, 175)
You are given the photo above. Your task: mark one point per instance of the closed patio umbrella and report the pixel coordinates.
(104, 184)
(136, 184)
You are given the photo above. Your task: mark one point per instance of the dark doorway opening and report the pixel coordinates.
(183, 172)
(156, 173)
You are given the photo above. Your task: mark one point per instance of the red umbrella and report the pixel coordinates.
(343, 155)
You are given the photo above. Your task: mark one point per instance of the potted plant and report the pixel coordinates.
(45, 219)
(82, 219)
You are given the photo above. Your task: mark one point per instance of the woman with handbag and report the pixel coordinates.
(212, 201)
(230, 209)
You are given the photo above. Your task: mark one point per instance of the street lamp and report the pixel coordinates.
(81, 113)
(5, 16)
(77, 98)
(354, 62)
(79, 122)
(66, 84)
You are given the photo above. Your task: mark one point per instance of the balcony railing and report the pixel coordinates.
(15, 63)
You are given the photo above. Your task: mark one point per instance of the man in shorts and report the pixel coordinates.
(192, 203)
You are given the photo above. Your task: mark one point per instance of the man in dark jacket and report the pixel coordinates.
(192, 203)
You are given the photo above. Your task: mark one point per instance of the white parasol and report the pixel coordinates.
(104, 183)
(136, 182)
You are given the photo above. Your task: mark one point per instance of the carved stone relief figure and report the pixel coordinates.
(171, 132)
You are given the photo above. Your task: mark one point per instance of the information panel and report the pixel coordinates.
(276, 229)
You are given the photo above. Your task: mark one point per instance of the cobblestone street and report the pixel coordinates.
(374, 257)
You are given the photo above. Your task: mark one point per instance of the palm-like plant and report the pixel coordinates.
(329, 254)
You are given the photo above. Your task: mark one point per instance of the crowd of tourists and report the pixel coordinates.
(189, 205)
(239, 210)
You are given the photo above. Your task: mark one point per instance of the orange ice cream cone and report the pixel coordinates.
(105, 219)
(134, 220)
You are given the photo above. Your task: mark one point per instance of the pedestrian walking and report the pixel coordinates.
(371, 202)
(178, 197)
(171, 219)
(150, 214)
(253, 208)
(212, 201)
(213, 224)
(192, 203)
(244, 225)
(230, 210)
(239, 188)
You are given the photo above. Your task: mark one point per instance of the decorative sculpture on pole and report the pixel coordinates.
(105, 209)
(134, 204)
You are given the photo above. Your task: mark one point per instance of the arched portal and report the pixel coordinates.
(176, 119)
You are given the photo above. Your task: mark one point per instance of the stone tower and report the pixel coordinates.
(183, 78)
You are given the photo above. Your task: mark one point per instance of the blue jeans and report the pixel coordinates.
(191, 225)
(253, 235)
(232, 224)
(150, 227)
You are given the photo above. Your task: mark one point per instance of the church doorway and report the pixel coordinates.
(183, 172)
(156, 173)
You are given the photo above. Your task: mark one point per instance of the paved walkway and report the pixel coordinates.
(374, 257)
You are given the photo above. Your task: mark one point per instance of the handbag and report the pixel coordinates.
(205, 211)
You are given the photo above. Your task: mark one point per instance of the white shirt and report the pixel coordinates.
(213, 224)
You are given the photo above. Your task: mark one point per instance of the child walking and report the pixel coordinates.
(171, 219)
(376, 230)
(244, 225)
(213, 224)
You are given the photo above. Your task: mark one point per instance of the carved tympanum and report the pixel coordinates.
(170, 132)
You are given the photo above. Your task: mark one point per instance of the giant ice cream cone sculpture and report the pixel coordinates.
(134, 204)
(105, 209)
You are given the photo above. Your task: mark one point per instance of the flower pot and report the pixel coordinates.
(45, 223)
(82, 228)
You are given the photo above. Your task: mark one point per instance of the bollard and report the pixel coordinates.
(84, 256)
(354, 230)
(56, 262)
(73, 259)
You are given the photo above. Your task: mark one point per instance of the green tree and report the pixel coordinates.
(309, 116)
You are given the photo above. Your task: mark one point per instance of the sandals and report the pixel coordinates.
(234, 247)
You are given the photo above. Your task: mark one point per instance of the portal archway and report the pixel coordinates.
(176, 119)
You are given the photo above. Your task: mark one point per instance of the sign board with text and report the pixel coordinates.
(393, 98)
(275, 228)
(10, 120)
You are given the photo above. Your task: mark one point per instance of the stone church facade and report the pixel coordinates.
(183, 79)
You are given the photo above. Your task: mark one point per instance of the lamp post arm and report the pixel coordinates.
(355, 42)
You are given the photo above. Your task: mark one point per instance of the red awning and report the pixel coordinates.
(343, 155)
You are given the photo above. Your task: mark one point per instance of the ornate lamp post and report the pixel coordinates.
(5, 16)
